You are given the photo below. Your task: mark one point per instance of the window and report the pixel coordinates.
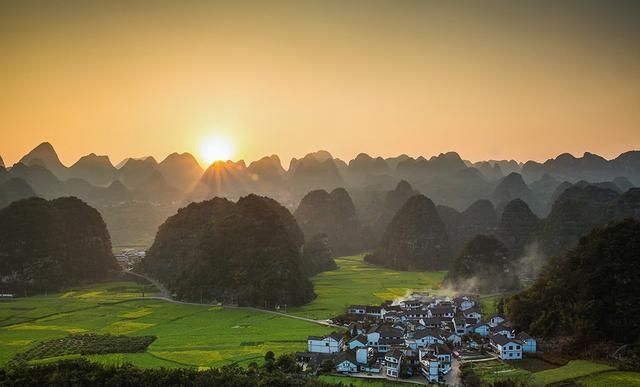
(326, 344)
(517, 347)
(510, 347)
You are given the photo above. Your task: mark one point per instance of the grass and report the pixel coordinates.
(573, 370)
(187, 335)
(360, 382)
(611, 378)
(357, 282)
(495, 370)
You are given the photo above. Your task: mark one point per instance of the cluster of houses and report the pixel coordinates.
(128, 258)
(420, 335)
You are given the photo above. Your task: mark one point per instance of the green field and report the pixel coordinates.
(611, 378)
(574, 369)
(585, 372)
(187, 335)
(357, 282)
(495, 370)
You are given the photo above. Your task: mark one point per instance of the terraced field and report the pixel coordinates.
(357, 282)
(187, 335)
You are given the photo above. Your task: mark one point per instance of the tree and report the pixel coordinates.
(269, 356)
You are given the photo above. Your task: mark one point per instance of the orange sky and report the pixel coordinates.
(490, 79)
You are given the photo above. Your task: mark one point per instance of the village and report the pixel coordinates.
(423, 338)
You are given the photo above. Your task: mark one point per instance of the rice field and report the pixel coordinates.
(357, 282)
(187, 335)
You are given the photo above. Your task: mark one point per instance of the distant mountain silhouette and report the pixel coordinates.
(96, 170)
(46, 156)
(224, 178)
(589, 167)
(43, 181)
(393, 201)
(513, 187)
(135, 172)
(331, 214)
(314, 171)
(181, 170)
(14, 189)
(517, 227)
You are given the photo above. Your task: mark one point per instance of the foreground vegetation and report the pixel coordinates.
(86, 344)
(187, 335)
(358, 282)
(280, 371)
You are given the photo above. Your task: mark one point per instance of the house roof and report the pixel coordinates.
(524, 336)
(391, 341)
(333, 335)
(441, 309)
(373, 309)
(336, 336)
(395, 353)
(478, 325)
(345, 355)
(502, 327)
(357, 307)
(502, 340)
(428, 332)
(439, 348)
(360, 338)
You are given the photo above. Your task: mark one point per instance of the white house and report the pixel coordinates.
(464, 302)
(507, 349)
(357, 309)
(473, 313)
(459, 325)
(496, 320)
(481, 328)
(429, 366)
(504, 331)
(427, 337)
(325, 344)
(442, 311)
(346, 363)
(530, 344)
(435, 361)
(393, 360)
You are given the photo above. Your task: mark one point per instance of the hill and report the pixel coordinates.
(247, 252)
(591, 293)
(334, 215)
(46, 245)
(415, 239)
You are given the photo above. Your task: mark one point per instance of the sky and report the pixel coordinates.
(489, 79)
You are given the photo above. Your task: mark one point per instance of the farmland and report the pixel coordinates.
(584, 372)
(187, 335)
(357, 282)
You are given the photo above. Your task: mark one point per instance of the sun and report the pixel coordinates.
(216, 148)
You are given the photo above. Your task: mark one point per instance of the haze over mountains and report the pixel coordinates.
(136, 196)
